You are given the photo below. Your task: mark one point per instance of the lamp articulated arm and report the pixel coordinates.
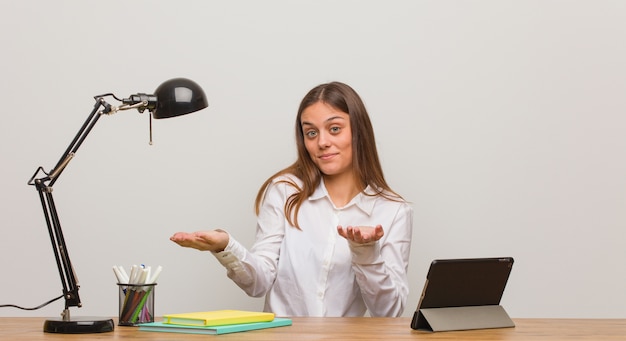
(44, 184)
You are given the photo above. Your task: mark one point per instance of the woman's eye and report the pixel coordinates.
(311, 133)
(335, 130)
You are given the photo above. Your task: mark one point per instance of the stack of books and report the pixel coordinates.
(215, 322)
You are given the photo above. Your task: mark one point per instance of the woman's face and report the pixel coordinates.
(328, 138)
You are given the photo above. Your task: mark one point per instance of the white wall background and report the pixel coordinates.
(502, 121)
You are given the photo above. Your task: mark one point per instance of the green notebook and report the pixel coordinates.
(225, 329)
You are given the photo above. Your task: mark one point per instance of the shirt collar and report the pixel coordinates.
(364, 200)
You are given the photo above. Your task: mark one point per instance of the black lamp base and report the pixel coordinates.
(80, 325)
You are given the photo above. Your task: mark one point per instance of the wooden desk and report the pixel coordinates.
(349, 328)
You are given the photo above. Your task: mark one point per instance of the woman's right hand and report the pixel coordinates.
(215, 241)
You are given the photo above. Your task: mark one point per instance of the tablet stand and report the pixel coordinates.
(461, 318)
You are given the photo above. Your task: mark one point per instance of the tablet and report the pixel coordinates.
(470, 282)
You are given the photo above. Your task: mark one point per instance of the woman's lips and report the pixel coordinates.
(327, 156)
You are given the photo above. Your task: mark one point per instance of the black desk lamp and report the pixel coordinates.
(174, 97)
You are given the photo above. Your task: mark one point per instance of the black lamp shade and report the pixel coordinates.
(178, 96)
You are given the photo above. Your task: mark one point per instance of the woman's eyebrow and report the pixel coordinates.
(325, 121)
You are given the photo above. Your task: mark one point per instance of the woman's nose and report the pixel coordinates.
(323, 140)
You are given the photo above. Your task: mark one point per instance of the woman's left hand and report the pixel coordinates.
(361, 234)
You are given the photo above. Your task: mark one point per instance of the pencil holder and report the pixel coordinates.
(136, 304)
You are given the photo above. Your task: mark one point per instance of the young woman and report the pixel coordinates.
(332, 238)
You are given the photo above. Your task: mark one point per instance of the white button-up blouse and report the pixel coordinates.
(313, 271)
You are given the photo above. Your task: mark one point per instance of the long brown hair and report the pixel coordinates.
(365, 162)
